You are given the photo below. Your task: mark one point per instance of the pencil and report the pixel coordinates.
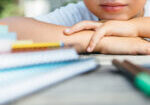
(37, 45)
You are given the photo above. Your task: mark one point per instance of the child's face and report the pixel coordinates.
(116, 9)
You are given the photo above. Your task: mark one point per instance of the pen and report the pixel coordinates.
(140, 77)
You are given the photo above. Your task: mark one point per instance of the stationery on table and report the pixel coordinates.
(139, 76)
(12, 60)
(5, 34)
(23, 73)
(6, 38)
(3, 28)
(36, 45)
(20, 42)
(24, 81)
(16, 47)
(9, 42)
(5, 46)
(27, 72)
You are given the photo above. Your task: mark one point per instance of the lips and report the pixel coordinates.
(113, 7)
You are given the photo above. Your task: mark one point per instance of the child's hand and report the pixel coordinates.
(109, 28)
(124, 45)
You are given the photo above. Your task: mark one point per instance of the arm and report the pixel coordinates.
(137, 27)
(28, 28)
(143, 26)
(124, 45)
(31, 29)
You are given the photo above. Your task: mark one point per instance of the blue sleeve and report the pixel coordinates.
(67, 16)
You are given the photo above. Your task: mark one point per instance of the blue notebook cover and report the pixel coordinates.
(19, 82)
(8, 36)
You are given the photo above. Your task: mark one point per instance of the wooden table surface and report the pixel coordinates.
(106, 86)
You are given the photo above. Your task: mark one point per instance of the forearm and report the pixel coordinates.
(28, 28)
(43, 32)
(143, 26)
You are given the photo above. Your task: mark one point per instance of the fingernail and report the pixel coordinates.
(67, 30)
(89, 50)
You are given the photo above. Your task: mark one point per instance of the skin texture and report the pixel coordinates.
(28, 28)
(130, 11)
(122, 28)
(124, 45)
(125, 22)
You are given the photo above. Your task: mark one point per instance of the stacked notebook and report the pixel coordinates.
(6, 38)
(23, 73)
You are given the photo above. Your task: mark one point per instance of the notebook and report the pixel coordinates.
(12, 60)
(8, 36)
(19, 82)
(3, 29)
(5, 34)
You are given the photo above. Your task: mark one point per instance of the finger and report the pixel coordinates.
(82, 26)
(100, 33)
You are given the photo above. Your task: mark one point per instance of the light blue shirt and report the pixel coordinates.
(74, 13)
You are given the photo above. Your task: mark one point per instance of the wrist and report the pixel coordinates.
(136, 24)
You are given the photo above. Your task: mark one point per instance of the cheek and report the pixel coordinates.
(137, 5)
(136, 9)
(93, 6)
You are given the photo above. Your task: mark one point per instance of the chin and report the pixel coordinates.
(112, 17)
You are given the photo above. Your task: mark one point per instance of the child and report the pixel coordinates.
(127, 18)
(114, 10)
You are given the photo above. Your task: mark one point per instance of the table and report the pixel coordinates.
(106, 86)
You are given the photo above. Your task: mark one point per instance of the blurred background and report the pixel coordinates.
(30, 8)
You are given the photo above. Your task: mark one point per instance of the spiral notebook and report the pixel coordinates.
(12, 60)
(24, 73)
(19, 82)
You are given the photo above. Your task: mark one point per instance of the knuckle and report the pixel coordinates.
(101, 32)
(147, 50)
(90, 22)
(145, 47)
(92, 43)
(85, 22)
(81, 24)
(77, 26)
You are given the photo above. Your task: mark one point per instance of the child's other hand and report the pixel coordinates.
(124, 45)
(109, 28)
